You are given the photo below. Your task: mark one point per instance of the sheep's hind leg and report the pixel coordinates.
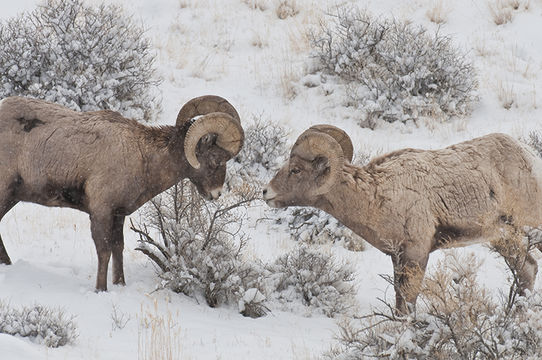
(4, 257)
(100, 227)
(5, 206)
(117, 246)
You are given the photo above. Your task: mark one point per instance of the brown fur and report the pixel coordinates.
(97, 162)
(410, 202)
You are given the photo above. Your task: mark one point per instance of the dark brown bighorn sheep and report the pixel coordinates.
(411, 202)
(108, 166)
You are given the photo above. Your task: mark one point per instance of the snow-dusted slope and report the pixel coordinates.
(235, 49)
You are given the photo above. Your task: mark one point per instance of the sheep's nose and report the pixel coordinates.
(215, 194)
(268, 193)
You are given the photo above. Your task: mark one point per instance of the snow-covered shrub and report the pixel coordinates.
(46, 326)
(535, 141)
(394, 70)
(199, 246)
(313, 278)
(253, 304)
(455, 318)
(80, 56)
(263, 152)
(314, 226)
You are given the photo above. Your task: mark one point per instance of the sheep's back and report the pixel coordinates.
(478, 178)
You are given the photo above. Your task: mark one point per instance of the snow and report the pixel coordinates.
(256, 60)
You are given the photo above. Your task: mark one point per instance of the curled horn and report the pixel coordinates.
(219, 117)
(313, 144)
(204, 105)
(340, 136)
(229, 131)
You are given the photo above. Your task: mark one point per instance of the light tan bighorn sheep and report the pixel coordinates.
(108, 166)
(410, 202)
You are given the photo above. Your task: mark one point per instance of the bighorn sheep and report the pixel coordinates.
(410, 202)
(108, 166)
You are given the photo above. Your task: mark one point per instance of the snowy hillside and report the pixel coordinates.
(243, 50)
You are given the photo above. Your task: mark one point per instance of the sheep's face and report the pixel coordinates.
(295, 183)
(209, 178)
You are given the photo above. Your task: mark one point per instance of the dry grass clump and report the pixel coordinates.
(437, 13)
(159, 336)
(261, 5)
(506, 95)
(502, 10)
(286, 9)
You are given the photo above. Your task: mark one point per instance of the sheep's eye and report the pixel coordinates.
(295, 171)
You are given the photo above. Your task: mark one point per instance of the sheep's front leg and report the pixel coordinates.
(408, 276)
(117, 247)
(101, 228)
(6, 203)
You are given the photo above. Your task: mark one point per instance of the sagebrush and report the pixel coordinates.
(315, 279)
(262, 154)
(84, 57)
(198, 246)
(456, 317)
(394, 70)
(44, 325)
(535, 141)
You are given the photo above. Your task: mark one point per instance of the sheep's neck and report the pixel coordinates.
(164, 160)
(351, 200)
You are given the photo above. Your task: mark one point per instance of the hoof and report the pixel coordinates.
(100, 289)
(4, 259)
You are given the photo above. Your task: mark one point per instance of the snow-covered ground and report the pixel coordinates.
(241, 50)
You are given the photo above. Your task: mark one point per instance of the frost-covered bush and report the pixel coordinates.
(314, 226)
(198, 246)
(80, 56)
(313, 278)
(263, 152)
(535, 141)
(46, 326)
(393, 70)
(456, 318)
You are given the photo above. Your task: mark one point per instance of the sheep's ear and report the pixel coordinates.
(321, 166)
